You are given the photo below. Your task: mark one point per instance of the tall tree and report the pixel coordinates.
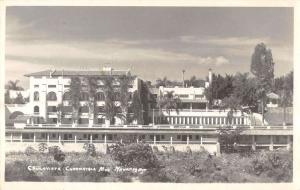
(168, 102)
(109, 93)
(13, 85)
(125, 81)
(137, 108)
(262, 67)
(75, 91)
(92, 90)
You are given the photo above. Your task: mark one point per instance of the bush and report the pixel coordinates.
(273, 165)
(42, 147)
(30, 150)
(136, 155)
(54, 150)
(90, 149)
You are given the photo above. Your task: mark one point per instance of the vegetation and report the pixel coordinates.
(158, 166)
(262, 67)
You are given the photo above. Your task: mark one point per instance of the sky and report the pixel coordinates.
(152, 42)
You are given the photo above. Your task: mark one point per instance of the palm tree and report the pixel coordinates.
(92, 90)
(110, 107)
(168, 102)
(137, 108)
(124, 98)
(75, 91)
(13, 85)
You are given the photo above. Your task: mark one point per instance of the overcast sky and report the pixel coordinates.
(152, 42)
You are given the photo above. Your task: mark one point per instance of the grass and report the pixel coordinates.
(198, 167)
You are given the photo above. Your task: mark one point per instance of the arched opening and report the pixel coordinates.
(36, 96)
(15, 114)
(84, 96)
(100, 96)
(67, 96)
(36, 109)
(84, 109)
(51, 96)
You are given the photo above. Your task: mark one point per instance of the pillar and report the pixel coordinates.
(154, 139)
(105, 139)
(75, 138)
(91, 138)
(201, 140)
(171, 140)
(11, 137)
(253, 147)
(59, 138)
(289, 143)
(33, 137)
(271, 143)
(188, 139)
(21, 137)
(48, 138)
(218, 152)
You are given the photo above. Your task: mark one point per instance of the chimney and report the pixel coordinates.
(210, 76)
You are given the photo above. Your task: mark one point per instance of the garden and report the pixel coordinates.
(139, 162)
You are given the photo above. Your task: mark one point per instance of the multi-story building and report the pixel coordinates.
(192, 125)
(50, 91)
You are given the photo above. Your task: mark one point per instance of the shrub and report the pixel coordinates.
(136, 155)
(54, 150)
(273, 165)
(30, 150)
(90, 149)
(60, 157)
(42, 147)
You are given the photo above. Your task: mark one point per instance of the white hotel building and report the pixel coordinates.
(194, 125)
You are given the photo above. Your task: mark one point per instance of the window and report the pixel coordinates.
(84, 136)
(199, 96)
(183, 95)
(51, 96)
(178, 137)
(52, 109)
(67, 96)
(117, 96)
(100, 109)
(36, 109)
(101, 120)
(83, 109)
(53, 135)
(100, 96)
(51, 86)
(36, 96)
(70, 136)
(162, 136)
(84, 96)
(36, 86)
(197, 137)
(67, 86)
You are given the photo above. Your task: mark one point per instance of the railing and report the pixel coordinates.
(161, 126)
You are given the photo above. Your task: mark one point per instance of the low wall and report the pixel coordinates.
(100, 147)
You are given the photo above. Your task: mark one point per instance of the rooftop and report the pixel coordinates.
(56, 73)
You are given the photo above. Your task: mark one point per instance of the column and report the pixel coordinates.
(271, 143)
(200, 120)
(91, 138)
(59, 138)
(201, 140)
(188, 121)
(179, 120)
(105, 139)
(21, 137)
(188, 139)
(48, 138)
(171, 140)
(154, 139)
(11, 137)
(75, 139)
(289, 143)
(253, 143)
(33, 137)
(218, 152)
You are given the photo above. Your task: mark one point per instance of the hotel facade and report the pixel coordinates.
(47, 117)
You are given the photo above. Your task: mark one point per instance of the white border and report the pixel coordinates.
(180, 3)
